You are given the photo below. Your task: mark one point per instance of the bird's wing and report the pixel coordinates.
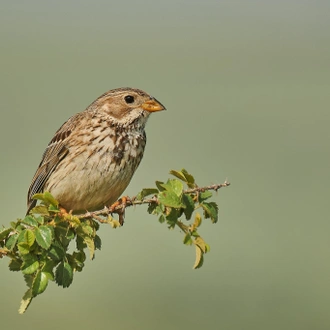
(51, 157)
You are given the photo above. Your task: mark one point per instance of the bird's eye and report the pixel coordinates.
(129, 99)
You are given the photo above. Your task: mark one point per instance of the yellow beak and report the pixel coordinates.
(152, 105)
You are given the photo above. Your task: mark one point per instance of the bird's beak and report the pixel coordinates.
(152, 105)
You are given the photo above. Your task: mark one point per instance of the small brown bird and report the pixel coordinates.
(93, 156)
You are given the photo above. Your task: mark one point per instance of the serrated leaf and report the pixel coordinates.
(172, 216)
(30, 264)
(14, 265)
(162, 219)
(64, 274)
(147, 192)
(91, 246)
(56, 251)
(204, 195)
(200, 242)
(199, 258)
(48, 269)
(26, 301)
(76, 264)
(30, 221)
(44, 236)
(49, 199)
(39, 284)
(40, 220)
(170, 199)
(79, 256)
(179, 175)
(88, 230)
(198, 220)
(173, 185)
(11, 241)
(210, 211)
(75, 222)
(97, 242)
(190, 179)
(4, 233)
(159, 185)
(189, 206)
(187, 239)
(23, 248)
(39, 196)
(28, 280)
(53, 209)
(40, 209)
(80, 243)
(29, 237)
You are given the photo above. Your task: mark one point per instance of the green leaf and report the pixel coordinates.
(56, 251)
(11, 241)
(64, 274)
(190, 179)
(204, 195)
(189, 206)
(200, 242)
(147, 192)
(23, 248)
(44, 236)
(174, 186)
(210, 211)
(4, 233)
(76, 260)
(30, 264)
(30, 221)
(15, 265)
(207, 248)
(199, 258)
(48, 198)
(170, 199)
(29, 237)
(172, 216)
(187, 239)
(159, 185)
(40, 209)
(91, 247)
(97, 242)
(198, 220)
(179, 175)
(87, 229)
(80, 243)
(28, 280)
(25, 302)
(48, 268)
(162, 219)
(40, 220)
(40, 283)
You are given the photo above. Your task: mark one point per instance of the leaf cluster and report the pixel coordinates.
(175, 205)
(39, 246)
(50, 244)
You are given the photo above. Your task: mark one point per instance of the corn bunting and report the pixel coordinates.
(92, 157)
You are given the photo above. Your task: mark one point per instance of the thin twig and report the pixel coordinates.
(133, 201)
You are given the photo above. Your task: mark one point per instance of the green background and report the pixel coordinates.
(246, 85)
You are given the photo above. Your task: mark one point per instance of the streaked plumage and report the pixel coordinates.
(93, 156)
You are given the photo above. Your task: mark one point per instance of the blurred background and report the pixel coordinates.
(246, 85)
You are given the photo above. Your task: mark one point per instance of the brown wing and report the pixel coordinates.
(52, 156)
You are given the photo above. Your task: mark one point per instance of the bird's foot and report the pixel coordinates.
(119, 208)
(64, 213)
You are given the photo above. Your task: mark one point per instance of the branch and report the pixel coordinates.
(120, 206)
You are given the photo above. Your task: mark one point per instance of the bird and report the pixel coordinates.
(92, 157)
